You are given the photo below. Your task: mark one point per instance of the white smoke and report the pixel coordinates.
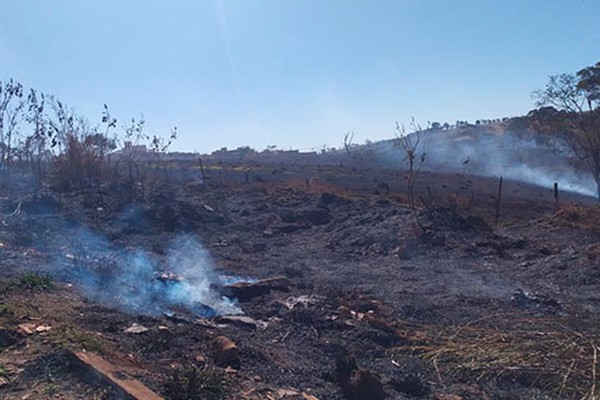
(133, 281)
(501, 154)
(188, 258)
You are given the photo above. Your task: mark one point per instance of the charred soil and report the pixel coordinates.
(348, 292)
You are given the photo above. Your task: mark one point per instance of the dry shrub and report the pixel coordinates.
(577, 216)
(82, 162)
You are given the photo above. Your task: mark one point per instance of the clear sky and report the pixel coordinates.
(294, 73)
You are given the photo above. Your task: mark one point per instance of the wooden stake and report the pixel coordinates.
(556, 196)
(498, 202)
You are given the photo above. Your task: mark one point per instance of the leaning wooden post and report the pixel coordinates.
(498, 202)
(556, 196)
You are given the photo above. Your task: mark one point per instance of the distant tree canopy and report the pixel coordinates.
(570, 105)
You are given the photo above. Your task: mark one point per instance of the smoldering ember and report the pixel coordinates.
(453, 261)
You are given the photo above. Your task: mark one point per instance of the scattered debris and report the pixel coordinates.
(207, 323)
(357, 383)
(136, 328)
(243, 321)
(290, 394)
(42, 328)
(534, 301)
(169, 277)
(225, 352)
(245, 291)
(27, 328)
(303, 300)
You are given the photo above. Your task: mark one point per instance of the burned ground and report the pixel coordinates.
(371, 296)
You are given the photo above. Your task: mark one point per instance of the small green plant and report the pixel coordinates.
(87, 340)
(51, 389)
(35, 281)
(191, 382)
(3, 371)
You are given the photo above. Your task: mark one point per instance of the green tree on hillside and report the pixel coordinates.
(576, 98)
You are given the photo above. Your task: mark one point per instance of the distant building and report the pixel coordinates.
(130, 148)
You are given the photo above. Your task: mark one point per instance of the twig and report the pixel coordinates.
(565, 378)
(17, 210)
(437, 370)
(285, 336)
(595, 360)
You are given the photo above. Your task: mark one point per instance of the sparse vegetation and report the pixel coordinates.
(191, 382)
(35, 281)
(50, 389)
(409, 144)
(40, 133)
(71, 335)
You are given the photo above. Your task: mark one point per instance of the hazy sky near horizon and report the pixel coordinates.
(294, 73)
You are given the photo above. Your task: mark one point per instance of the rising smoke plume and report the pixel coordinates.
(501, 153)
(142, 282)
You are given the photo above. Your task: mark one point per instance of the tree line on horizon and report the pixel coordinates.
(39, 132)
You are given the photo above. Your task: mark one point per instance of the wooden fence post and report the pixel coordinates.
(498, 202)
(556, 196)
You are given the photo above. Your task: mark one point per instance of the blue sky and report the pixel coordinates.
(294, 73)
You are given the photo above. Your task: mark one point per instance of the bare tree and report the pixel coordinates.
(409, 143)
(36, 128)
(134, 135)
(576, 97)
(12, 106)
(34, 146)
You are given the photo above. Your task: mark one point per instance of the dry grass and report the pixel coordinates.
(580, 217)
(542, 353)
